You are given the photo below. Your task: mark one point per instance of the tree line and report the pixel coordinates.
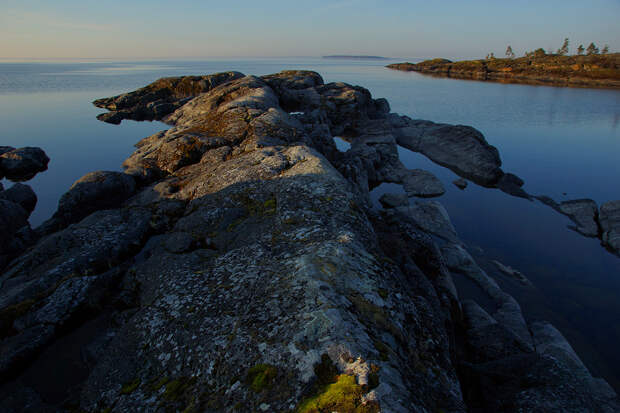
(592, 49)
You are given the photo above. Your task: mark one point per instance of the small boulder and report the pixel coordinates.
(23, 164)
(393, 200)
(22, 195)
(517, 275)
(460, 183)
(421, 183)
(12, 217)
(92, 192)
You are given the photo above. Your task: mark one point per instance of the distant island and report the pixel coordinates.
(344, 56)
(594, 70)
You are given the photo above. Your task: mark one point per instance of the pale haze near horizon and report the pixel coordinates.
(202, 29)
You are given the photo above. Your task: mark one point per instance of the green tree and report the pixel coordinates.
(509, 53)
(580, 49)
(592, 49)
(564, 49)
(605, 49)
(540, 52)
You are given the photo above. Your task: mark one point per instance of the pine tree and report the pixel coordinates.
(580, 49)
(564, 49)
(592, 49)
(605, 49)
(509, 53)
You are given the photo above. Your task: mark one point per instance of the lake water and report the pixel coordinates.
(564, 143)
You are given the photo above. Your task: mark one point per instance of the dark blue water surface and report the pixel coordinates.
(564, 143)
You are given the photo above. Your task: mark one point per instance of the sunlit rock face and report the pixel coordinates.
(239, 267)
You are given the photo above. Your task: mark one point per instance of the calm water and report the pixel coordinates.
(564, 143)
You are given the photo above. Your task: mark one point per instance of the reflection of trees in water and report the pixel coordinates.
(614, 124)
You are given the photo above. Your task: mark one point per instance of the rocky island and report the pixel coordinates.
(600, 71)
(237, 266)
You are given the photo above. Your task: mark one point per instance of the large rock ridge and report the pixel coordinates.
(236, 266)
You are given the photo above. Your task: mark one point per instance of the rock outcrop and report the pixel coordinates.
(463, 149)
(160, 98)
(21, 164)
(238, 266)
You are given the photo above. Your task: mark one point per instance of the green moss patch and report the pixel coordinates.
(261, 377)
(338, 393)
(344, 395)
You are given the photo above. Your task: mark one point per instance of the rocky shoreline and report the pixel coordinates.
(594, 71)
(236, 265)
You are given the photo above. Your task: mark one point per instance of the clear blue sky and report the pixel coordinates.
(192, 28)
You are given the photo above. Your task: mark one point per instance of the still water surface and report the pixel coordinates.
(564, 143)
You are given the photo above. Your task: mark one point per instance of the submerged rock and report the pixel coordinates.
(394, 200)
(518, 275)
(22, 164)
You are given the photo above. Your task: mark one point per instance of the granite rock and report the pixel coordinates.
(22, 164)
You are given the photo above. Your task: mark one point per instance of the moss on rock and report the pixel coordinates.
(345, 395)
(261, 376)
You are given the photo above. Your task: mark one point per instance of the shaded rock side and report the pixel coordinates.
(93, 192)
(609, 218)
(21, 194)
(16, 205)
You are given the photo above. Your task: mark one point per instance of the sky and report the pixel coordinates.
(141, 29)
